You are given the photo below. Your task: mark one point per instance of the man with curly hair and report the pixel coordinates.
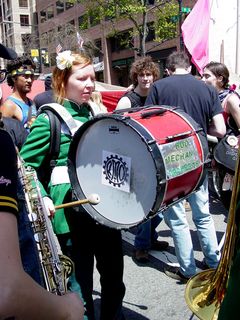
(142, 74)
(20, 78)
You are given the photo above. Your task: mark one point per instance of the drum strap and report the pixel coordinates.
(57, 115)
(65, 116)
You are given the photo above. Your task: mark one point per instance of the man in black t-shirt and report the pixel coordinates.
(201, 102)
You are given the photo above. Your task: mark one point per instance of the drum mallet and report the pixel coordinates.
(92, 199)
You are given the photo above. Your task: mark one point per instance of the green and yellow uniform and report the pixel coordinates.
(36, 148)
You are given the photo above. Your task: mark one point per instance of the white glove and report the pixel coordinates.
(49, 206)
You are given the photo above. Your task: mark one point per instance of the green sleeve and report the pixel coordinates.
(37, 144)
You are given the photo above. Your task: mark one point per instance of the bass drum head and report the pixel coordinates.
(110, 158)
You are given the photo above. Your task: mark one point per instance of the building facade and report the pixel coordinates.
(18, 25)
(59, 20)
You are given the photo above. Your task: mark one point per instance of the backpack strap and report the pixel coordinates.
(55, 138)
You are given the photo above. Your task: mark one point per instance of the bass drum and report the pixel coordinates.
(137, 162)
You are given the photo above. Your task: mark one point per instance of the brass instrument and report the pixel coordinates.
(56, 267)
(205, 291)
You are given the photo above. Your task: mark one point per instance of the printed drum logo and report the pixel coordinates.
(115, 170)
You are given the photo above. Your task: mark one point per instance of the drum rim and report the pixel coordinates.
(159, 165)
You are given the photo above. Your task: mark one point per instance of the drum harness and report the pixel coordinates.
(58, 116)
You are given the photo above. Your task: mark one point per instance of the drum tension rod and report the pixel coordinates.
(187, 133)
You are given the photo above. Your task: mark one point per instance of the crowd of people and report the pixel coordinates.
(70, 94)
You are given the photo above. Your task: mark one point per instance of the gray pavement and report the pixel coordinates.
(150, 294)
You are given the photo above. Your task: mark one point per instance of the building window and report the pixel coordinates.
(50, 36)
(121, 41)
(151, 32)
(26, 41)
(94, 21)
(53, 59)
(98, 44)
(44, 57)
(50, 12)
(69, 4)
(23, 3)
(60, 6)
(24, 20)
(83, 22)
(44, 39)
(43, 16)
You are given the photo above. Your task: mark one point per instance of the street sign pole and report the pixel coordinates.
(180, 25)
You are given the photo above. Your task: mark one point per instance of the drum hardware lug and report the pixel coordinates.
(151, 214)
(149, 114)
(199, 130)
(128, 110)
(124, 118)
(151, 142)
(163, 181)
(180, 135)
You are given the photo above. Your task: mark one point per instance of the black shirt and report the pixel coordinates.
(8, 174)
(193, 96)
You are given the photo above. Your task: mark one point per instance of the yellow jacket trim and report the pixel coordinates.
(8, 204)
(8, 198)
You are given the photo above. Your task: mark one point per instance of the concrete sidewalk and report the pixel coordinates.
(150, 294)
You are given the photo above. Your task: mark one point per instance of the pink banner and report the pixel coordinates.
(195, 31)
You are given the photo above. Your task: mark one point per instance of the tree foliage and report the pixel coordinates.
(161, 15)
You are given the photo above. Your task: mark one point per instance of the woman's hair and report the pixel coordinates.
(96, 98)
(60, 77)
(143, 65)
(219, 70)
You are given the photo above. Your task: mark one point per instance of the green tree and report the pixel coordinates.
(140, 12)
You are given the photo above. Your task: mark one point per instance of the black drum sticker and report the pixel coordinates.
(116, 170)
(180, 157)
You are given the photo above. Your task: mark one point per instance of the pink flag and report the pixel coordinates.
(195, 31)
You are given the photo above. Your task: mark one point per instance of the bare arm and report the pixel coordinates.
(11, 110)
(217, 127)
(123, 103)
(20, 296)
(233, 107)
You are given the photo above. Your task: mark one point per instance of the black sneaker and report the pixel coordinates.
(141, 256)
(175, 273)
(204, 265)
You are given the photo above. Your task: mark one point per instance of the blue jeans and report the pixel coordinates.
(146, 233)
(175, 218)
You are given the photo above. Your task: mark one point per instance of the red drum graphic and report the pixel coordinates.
(139, 163)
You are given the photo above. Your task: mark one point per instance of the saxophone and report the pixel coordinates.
(56, 267)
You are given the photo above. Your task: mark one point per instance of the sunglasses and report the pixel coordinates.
(3, 74)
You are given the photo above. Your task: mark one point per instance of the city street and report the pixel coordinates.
(150, 294)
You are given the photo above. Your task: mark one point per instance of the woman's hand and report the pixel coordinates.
(49, 206)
